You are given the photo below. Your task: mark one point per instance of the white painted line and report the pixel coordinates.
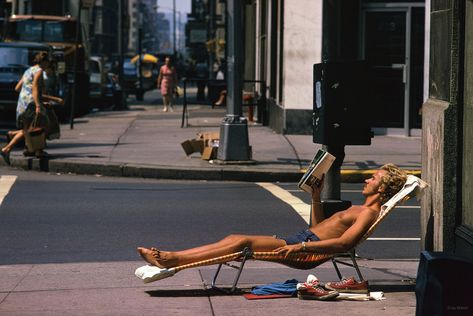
(393, 238)
(297, 204)
(408, 206)
(6, 182)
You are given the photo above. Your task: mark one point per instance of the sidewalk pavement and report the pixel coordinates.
(145, 142)
(110, 288)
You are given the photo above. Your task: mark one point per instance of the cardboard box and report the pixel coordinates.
(192, 146)
(209, 153)
(204, 142)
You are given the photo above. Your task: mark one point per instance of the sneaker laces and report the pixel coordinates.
(343, 282)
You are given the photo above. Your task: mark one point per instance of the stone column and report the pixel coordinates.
(440, 127)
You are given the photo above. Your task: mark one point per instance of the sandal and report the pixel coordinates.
(6, 157)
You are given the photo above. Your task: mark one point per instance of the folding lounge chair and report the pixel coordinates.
(303, 260)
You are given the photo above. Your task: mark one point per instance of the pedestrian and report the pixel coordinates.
(30, 103)
(201, 73)
(167, 82)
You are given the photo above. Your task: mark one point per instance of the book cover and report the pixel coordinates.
(321, 163)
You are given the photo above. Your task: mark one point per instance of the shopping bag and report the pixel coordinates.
(53, 130)
(35, 136)
(178, 92)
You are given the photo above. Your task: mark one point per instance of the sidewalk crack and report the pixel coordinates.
(208, 296)
(16, 285)
(294, 151)
(120, 137)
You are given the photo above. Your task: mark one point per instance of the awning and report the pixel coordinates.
(146, 58)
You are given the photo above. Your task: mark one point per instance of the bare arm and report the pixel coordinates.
(317, 213)
(160, 77)
(52, 98)
(335, 245)
(19, 85)
(36, 97)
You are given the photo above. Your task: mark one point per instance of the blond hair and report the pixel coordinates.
(392, 182)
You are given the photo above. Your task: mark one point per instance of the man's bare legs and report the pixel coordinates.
(228, 245)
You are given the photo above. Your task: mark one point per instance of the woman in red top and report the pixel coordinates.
(167, 81)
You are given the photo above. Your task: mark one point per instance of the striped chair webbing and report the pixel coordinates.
(217, 260)
(302, 261)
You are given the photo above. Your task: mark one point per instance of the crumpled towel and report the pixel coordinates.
(287, 287)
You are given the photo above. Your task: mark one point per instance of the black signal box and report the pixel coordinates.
(342, 105)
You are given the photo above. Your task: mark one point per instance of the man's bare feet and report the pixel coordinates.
(149, 255)
(161, 259)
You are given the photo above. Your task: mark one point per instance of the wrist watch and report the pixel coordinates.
(303, 246)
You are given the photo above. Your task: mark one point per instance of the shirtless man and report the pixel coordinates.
(335, 234)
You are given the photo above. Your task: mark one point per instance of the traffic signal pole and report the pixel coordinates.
(234, 144)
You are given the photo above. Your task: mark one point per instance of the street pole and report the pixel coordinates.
(234, 145)
(212, 37)
(174, 27)
(139, 92)
(76, 57)
(123, 104)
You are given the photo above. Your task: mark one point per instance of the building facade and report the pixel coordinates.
(143, 26)
(285, 39)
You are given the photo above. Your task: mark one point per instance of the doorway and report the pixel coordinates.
(393, 44)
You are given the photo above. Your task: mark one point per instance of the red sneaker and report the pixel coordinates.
(349, 285)
(316, 293)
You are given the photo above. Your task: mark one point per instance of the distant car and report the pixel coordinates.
(149, 75)
(15, 58)
(98, 80)
(130, 77)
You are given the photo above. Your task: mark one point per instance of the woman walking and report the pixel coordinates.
(30, 104)
(167, 82)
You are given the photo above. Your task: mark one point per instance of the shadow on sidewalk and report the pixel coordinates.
(194, 293)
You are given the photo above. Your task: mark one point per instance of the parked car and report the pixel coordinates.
(15, 58)
(98, 80)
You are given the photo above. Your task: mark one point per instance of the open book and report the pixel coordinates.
(318, 167)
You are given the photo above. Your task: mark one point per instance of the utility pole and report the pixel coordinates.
(212, 36)
(123, 104)
(174, 27)
(234, 144)
(139, 90)
(76, 57)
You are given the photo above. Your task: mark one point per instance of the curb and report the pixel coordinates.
(224, 173)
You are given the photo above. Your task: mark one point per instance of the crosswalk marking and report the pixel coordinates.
(396, 239)
(297, 204)
(6, 182)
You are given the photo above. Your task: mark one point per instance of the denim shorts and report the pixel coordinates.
(303, 235)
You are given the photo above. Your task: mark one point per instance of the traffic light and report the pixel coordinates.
(342, 104)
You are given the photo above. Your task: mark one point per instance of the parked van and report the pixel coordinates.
(98, 79)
